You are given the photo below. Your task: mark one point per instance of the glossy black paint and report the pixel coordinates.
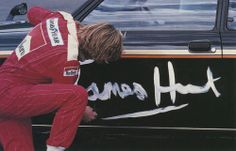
(204, 110)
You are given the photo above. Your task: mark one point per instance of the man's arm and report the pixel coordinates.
(37, 14)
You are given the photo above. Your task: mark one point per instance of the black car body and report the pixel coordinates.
(176, 74)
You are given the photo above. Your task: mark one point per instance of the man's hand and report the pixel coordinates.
(89, 114)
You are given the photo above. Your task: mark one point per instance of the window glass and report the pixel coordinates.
(156, 14)
(232, 15)
(64, 5)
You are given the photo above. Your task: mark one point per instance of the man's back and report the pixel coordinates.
(44, 54)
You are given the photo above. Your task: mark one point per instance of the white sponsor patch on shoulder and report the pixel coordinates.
(23, 48)
(70, 71)
(54, 32)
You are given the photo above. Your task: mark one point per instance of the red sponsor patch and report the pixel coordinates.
(71, 71)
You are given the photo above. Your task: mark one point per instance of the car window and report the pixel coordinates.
(63, 5)
(232, 15)
(156, 14)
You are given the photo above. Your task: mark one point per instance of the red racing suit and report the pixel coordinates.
(39, 78)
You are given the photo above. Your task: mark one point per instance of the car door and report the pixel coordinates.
(228, 34)
(171, 73)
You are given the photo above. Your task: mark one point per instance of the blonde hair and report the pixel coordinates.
(101, 42)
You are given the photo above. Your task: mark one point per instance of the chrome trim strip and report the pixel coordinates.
(229, 52)
(166, 52)
(17, 30)
(150, 128)
(5, 53)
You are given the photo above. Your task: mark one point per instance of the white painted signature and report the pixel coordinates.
(141, 94)
(178, 87)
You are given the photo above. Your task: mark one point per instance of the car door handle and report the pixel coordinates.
(200, 46)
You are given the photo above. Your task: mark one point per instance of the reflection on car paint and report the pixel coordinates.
(157, 15)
